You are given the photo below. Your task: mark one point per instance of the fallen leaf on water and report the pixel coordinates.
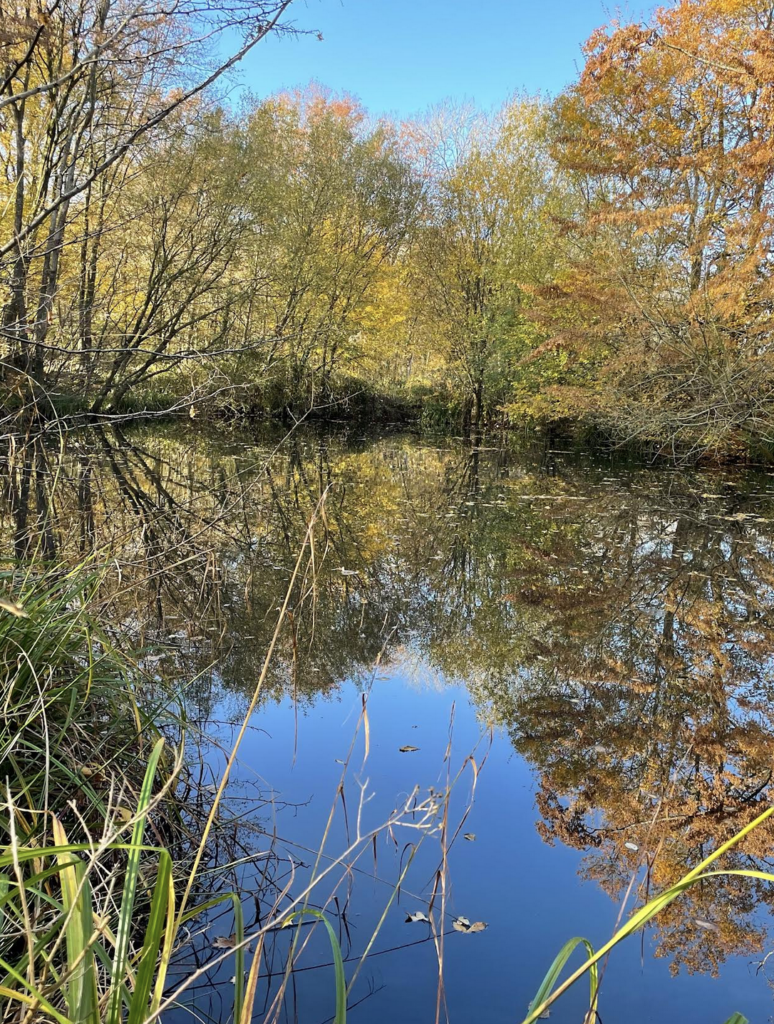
(407, 749)
(707, 925)
(224, 942)
(418, 915)
(470, 836)
(461, 924)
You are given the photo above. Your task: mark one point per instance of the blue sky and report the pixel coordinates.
(400, 56)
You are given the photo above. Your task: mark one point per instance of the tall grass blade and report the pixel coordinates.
(153, 934)
(653, 907)
(553, 972)
(169, 944)
(113, 1015)
(338, 962)
(81, 989)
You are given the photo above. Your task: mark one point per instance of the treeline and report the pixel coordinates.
(603, 259)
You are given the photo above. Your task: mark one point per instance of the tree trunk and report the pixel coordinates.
(477, 409)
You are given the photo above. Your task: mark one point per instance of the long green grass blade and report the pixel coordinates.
(170, 934)
(338, 963)
(153, 934)
(553, 972)
(653, 907)
(81, 988)
(737, 1018)
(113, 1014)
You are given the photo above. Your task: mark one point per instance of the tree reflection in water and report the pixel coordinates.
(616, 621)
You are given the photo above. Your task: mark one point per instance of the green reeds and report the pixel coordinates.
(75, 968)
(549, 991)
(69, 944)
(71, 948)
(68, 760)
(67, 695)
(88, 929)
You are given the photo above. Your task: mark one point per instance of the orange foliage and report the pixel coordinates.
(669, 135)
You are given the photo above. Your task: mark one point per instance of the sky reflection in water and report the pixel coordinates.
(612, 622)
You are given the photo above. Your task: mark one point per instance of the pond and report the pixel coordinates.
(582, 645)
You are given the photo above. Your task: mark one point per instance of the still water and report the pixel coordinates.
(583, 646)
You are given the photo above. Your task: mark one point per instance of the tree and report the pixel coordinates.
(485, 240)
(83, 87)
(667, 282)
(331, 202)
(172, 281)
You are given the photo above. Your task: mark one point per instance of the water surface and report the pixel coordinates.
(596, 633)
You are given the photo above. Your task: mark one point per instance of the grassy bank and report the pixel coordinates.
(77, 735)
(106, 872)
(421, 407)
(75, 719)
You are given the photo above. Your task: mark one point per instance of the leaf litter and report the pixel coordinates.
(418, 915)
(461, 924)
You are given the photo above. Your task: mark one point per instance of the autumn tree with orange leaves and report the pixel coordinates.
(668, 137)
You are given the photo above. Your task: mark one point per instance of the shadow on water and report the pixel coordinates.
(613, 622)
